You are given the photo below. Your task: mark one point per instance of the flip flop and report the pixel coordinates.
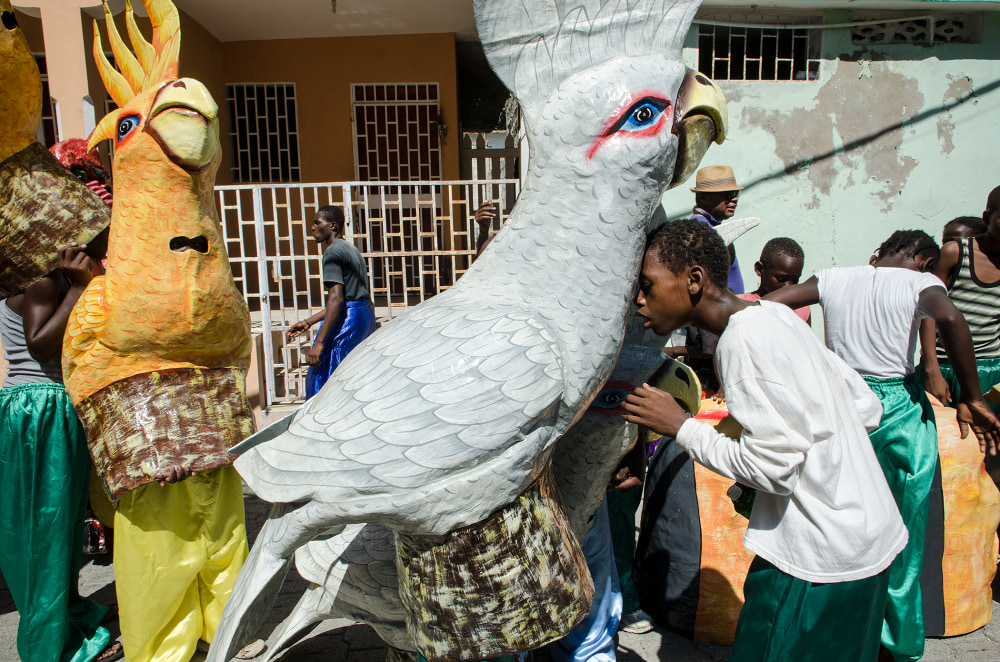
(114, 651)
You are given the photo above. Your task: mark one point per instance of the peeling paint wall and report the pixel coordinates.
(888, 137)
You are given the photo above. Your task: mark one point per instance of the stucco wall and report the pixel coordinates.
(887, 138)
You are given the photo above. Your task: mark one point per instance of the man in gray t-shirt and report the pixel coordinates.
(348, 317)
(343, 264)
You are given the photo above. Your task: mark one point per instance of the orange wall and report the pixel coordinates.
(323, 71)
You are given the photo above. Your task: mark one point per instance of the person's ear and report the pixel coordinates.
(758, 269)
(925, 263)
(696, 280)
(872, 260)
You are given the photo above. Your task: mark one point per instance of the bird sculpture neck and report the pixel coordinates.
(571, 264)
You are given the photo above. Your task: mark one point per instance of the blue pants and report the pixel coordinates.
(355, 323)
(593, 639)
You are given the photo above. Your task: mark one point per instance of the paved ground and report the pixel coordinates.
(344, 641)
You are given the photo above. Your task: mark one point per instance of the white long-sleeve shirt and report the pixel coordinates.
(823, 510)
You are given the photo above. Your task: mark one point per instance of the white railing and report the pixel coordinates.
(417, 237)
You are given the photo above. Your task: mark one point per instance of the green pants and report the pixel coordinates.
(906, 446)
(622, 507)
(785, 619)
(44, 469)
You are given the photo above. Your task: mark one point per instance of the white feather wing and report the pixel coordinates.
(452, 401)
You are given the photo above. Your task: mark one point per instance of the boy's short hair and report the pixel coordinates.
(993, 200)
(780, 246)
(974, 223)
(332, 214)
(909, 243)
(681, 244)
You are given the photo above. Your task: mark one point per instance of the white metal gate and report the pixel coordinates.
(417, 237)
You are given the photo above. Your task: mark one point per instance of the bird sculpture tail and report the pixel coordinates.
(288, 527)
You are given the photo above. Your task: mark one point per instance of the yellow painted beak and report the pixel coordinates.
(184, 120)
(702, 117)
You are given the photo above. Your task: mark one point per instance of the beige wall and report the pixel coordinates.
(323, 71)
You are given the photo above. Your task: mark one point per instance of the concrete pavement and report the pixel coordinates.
(345, 641)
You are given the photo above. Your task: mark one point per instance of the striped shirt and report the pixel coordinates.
(979, 302)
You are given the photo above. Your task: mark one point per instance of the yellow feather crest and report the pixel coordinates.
(152, 63)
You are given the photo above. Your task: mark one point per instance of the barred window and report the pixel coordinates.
(263, 130)
(764, 53)
(398, 132)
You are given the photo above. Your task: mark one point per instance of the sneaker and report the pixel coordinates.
(636, 622)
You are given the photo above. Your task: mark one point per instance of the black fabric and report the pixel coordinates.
(668, 553)
(932, 575)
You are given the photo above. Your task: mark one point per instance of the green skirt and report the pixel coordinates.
(785, 619)
(905, 444)
(44, 470)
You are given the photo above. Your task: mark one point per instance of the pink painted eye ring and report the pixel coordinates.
(644, 117)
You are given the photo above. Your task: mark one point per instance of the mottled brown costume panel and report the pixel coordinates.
(139, 427)
(42, 208)
(510, 583)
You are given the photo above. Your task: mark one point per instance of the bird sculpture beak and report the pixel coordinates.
(702, 118)
(184, 121)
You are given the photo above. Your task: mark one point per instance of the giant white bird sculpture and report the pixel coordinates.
(447, 417)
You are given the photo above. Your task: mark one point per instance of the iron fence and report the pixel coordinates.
(418, 238)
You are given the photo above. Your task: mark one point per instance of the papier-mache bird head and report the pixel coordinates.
(153, 104)
(611, 73)
(20, 86)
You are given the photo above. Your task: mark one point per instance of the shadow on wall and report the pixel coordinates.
(792, 168)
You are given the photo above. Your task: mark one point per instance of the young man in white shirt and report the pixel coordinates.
(872, 316)
(824, 524)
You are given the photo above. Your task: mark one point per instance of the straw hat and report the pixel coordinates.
(715, 178)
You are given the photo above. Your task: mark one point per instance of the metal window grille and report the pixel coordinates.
(48, 133)
(264, 132)
(397, 134)
(951, 29)
(417, 239)
(749, 53)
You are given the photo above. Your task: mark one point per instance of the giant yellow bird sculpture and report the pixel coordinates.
(165, 333)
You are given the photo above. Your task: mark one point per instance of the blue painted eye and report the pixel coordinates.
(610, 398)
(643, 114)
(127, 125)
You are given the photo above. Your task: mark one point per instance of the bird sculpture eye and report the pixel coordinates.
(9, 20)
(642, 115)
(610, 398)
(126, 126)
(643, 118)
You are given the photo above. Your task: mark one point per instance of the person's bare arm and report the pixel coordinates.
(936, 385)
(957, 341)
(484, 218)
(44, 314)
(796, 296)
(334, 304)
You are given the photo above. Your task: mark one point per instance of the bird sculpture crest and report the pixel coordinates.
(442, 425)
(155, 352)
(42, 206)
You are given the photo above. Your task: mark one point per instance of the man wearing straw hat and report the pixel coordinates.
(715, 196)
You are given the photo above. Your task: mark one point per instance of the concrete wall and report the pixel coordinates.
(889, 137)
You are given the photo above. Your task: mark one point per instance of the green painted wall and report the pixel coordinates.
(889, 137)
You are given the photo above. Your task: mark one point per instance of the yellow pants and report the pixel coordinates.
(178, 550)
